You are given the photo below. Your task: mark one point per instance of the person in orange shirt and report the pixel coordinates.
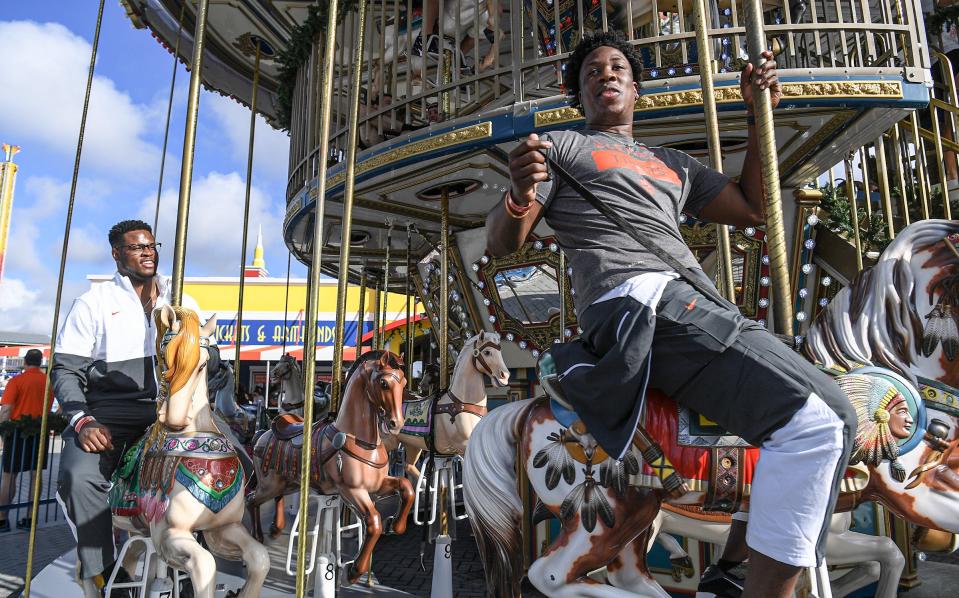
(23, 397)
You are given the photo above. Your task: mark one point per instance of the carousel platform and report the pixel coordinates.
(396, 567)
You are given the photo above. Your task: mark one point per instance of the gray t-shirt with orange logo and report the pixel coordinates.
(648, 186)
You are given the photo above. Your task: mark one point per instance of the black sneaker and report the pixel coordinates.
(716, 583)
(432, 45)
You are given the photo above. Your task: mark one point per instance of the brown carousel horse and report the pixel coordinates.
(348, 457)
(902, 315)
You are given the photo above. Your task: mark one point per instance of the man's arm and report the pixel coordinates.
(741, 204)
(72, 359)
(10, 396)
(508, 228)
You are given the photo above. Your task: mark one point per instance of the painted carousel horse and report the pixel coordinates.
(223, 396)
(869, 558)
(348, 456)
(184, 475)
(898, 319)
(289, 375)
(444, 423)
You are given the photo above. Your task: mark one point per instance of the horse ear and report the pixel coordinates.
(168, 317)
(210, 327)
(385, 359)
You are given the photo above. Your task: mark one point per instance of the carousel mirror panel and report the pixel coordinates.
(463, 319)
(521, 292)
(750, 263)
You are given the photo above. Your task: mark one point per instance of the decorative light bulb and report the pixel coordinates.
(823, 302)
(522, 344)
(763, 302)
(749, 231)
(764, 281)
(826, 281)
(484, 260)
(812, 220)
(492, 319)
(801, 316)
(537, 245)
(809, 244)
(509, 336)
(806, 268)
(803, 293)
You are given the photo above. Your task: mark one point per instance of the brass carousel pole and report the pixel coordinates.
(361, 312)
(444, 322)
(775, 232)
(882, 176)
(375, 341)
(312, 303)
(169, 111)
(408, 352)
(853, 211)
(346, 223)
(238, 329)
(189, 141)
(44, 419)
(386, 279)
(727, 285)
(442, 338)
(561, 283)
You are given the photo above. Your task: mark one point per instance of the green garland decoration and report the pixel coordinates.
(30, 426)
(297, 53)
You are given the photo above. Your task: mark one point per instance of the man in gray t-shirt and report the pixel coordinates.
(632, 307)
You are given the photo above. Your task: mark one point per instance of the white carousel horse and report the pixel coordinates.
(899, 315)
(459, 21)
(457, 410)
(873, 558)
(184, 476)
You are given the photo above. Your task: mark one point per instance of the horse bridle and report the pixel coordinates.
(934, 435)
(478, 359)
(373, 379)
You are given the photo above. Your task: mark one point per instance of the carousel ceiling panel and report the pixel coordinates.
(232, 25)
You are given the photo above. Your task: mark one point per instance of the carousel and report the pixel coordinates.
(440, 450)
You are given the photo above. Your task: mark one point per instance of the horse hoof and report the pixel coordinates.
(275, 532)
(354, 575)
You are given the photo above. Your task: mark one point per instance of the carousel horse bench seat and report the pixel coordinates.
(287, 426)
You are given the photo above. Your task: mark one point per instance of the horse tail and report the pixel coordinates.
(491, 496)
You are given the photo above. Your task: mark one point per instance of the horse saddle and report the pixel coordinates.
(564, 413)
(287, 426)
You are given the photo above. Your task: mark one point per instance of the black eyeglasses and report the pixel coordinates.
(140, 247)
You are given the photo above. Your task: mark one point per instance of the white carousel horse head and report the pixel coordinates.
(901, 314)
(182, 351)
(485, 353)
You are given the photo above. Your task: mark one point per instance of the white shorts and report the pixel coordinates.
(792, 485)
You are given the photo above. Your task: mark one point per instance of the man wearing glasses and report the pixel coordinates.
(103, 375)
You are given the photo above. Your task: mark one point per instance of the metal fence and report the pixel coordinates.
(19, 462)
(481, 55)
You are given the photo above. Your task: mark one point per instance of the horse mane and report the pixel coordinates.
(875, 319)
(181, 354)
(395, 361)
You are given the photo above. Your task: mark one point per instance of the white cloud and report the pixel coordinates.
(216, 221)
(43, 101)
(22, 309)
(271, 149)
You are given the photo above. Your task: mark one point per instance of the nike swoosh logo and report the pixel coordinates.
(114, 313)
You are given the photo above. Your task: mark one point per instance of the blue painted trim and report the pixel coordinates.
(508, 126)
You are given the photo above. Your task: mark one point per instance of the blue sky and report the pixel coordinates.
(47, 50)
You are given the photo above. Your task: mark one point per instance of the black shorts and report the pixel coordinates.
(20, 453)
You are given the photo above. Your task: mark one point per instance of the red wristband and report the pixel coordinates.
(86, 419)
(514, 209)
